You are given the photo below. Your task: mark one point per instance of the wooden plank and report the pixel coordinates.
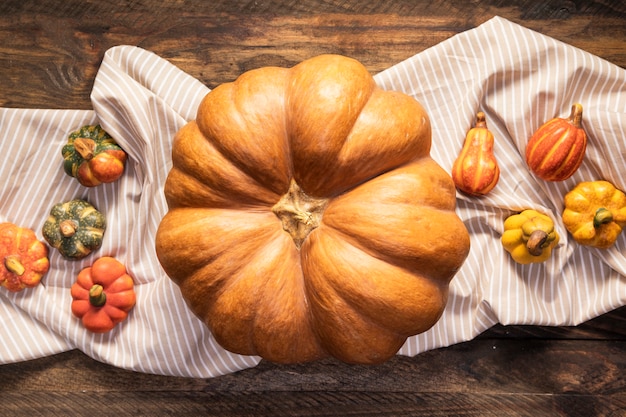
(482, 377)
(320, 403)
(481, 366)
(57, 46)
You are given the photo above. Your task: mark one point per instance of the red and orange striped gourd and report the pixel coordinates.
(556, 150)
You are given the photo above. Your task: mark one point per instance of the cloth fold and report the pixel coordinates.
(518, 77)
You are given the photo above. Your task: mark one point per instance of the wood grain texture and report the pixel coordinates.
(507, 371)
(59, 45)
(49, 55)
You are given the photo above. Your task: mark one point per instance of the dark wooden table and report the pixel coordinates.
(49, 54)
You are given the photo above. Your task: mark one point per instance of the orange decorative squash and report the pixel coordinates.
(476, 171)
(595, 213)
(306, 217)
(24, 259)
(102, 295)
(556, 150)
(93, 157)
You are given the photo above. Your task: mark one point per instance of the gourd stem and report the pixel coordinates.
(602, 216)
(536, 241)
(85, 147)
(481, 120)
(67, 228)
(14, 265)
(299, 213)
(576, 116)
(97, 296)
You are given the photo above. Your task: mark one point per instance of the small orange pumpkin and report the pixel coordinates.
(24, 258)
(556, 150)
(103, 294)
(595, 213)
(476, 171)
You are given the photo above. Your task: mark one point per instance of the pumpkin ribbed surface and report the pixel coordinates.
(75, 228)
(23, 258)
(306, 217)
(595, 213)
(556, 150)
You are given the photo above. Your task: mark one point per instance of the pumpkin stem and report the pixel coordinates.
(299, 212)
(85, 147)
(68, 228)
(481, 121)
(14, 265)
(97, 296)
(535, 243)
(602, 216)
(576, 116)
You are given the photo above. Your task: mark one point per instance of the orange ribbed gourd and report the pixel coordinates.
(23, 258)
(556, 150)
(306, 217)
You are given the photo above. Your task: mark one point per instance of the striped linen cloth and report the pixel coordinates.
(518, 77)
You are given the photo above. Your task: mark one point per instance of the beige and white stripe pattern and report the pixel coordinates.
(519, 78)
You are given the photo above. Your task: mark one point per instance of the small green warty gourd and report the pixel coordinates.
(75, 228)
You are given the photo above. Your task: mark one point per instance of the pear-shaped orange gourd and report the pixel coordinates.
(476, 170)
(556, 150)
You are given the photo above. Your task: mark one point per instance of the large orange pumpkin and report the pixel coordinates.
(306, 217)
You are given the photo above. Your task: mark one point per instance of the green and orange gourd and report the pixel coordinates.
(93, 157)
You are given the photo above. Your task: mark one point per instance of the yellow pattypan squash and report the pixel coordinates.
(595, 213)
(529, 237)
